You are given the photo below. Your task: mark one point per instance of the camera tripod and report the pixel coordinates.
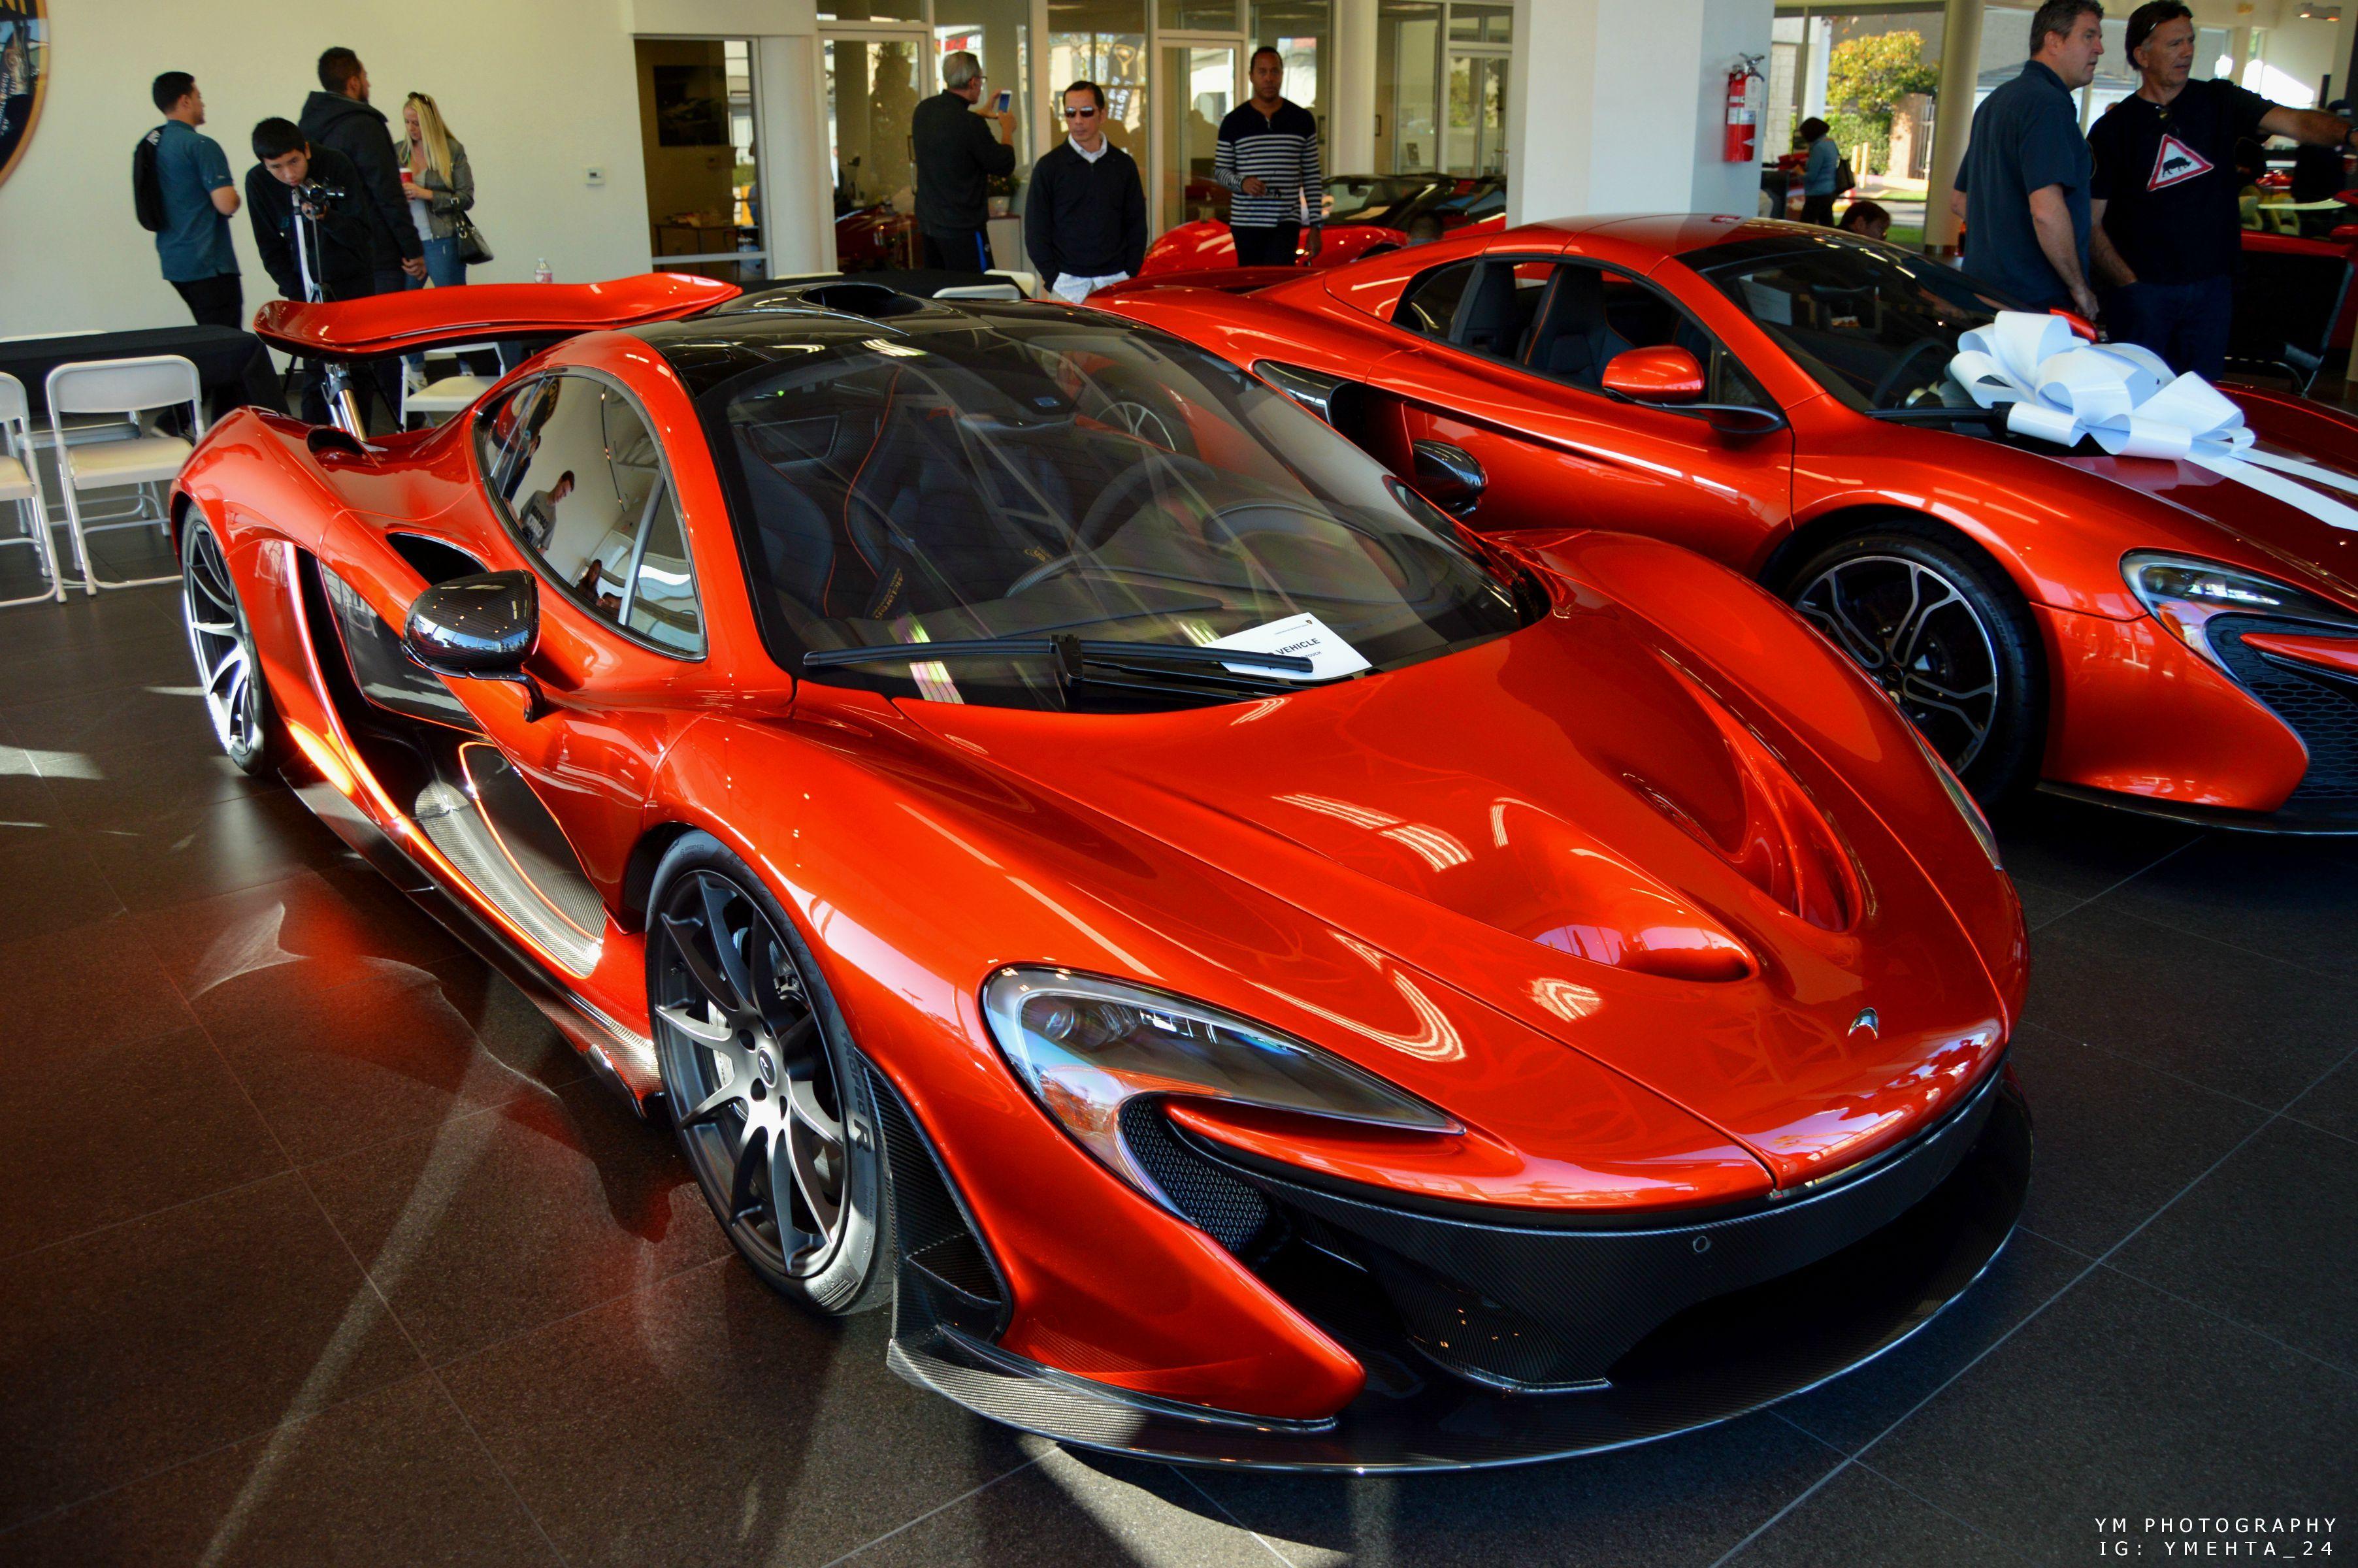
(343, 407)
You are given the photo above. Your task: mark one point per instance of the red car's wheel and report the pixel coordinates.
(227, 671)
(1947, 637)
(770, 1102)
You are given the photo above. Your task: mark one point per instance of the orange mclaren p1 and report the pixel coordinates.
(2174, 635)
(1081, 857)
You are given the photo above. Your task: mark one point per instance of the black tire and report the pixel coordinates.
(766, 1092)
(229, 675)
(1940, 629)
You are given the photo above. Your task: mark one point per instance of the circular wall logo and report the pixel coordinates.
(24, 76)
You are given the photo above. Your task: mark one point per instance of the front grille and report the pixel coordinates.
(2321, 709)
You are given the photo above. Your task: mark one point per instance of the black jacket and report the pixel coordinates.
(957, 154)
(360, 133)
(1083, 218)
(346, 261)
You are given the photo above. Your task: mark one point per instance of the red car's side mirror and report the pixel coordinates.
(1662, 374)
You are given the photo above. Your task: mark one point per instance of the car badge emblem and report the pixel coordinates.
(1868, 1021)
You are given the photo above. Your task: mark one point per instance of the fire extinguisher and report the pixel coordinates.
(1742, 144)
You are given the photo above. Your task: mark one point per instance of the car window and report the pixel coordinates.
(500, 432)
(1430, 303)
(1593, 313)
(584, 492)
(1500, 309)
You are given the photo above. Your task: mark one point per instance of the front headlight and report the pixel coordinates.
(2184, 594)
(1961, 797)
(1085, 1047)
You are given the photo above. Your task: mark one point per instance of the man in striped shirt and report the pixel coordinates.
(1269, 156)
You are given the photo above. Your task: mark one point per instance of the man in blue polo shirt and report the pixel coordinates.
(200, 198)
(2026, 173)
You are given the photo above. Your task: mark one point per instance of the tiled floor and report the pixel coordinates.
(318, 1246)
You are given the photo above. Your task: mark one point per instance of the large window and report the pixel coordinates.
(697, 142)
(1104, 41)
(1440, 86)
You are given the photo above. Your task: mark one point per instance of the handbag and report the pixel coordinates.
(472, 251)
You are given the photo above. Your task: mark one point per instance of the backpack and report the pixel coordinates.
(146, 185)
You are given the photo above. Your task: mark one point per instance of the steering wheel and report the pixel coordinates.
(1891, 377)
(1095, 524)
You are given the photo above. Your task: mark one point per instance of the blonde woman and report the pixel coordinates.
(439, 185)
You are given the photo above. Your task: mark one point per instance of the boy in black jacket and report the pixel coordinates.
(342, 261)
(1085, 222)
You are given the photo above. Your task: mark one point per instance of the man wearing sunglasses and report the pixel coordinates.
(1085, 221)
(957, 156)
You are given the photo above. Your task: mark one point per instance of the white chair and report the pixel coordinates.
(127, 389)
(439, 398)
(20, 488)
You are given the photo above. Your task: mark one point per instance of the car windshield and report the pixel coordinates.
(1011, 473)
(1875, 326)
(1365, 198)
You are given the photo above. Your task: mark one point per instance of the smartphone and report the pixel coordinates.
(1006, 98)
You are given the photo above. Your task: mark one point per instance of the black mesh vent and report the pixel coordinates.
(934, 1236)
(2322, 711)
(1225, 1208)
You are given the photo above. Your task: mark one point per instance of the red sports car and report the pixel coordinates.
(1369, 215)
(2174, 635)
(1083, 856)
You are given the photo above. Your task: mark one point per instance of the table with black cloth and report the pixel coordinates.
(232, 367)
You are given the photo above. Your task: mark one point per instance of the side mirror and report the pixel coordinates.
(1448, 476)
(1663, 374)
(478, 628)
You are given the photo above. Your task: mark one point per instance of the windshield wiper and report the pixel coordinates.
(1075, 656)
(1933, 414)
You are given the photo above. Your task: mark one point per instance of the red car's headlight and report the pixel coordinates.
(1085, 1047)
(2184, 594)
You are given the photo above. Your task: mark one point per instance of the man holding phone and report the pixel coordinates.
(1268, 154)
(957, 156)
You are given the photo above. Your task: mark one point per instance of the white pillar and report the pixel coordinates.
(1618, 106)
(1351, 117)
(1961, 57)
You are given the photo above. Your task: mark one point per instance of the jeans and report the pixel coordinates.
(1819, 209)
(1276, 245)
(216, 301)
(443, 267)
(2185, 323)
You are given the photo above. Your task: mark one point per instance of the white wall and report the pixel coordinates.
(538, 90)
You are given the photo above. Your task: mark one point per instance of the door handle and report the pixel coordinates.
(1449, 476)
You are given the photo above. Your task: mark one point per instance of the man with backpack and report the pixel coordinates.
(182, 190)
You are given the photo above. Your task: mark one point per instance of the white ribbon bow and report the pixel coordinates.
(2059, 388)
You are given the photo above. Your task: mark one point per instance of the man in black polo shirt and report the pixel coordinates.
(2024, 181)
(1268, 154)
(956, 157)
(1085, 221)
(2167, 237)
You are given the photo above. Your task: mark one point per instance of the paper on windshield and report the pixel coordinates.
(1304, 636)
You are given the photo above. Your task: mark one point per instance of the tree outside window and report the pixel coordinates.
(1866, 79)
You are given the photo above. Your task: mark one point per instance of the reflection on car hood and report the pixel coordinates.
(1565, 826)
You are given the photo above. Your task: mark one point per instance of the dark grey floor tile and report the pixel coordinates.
(233, 844)
(2231, 1021)
(2079, 850)
(1685, 1500)
(153, 1342)
(703, 1420)
(1852, 1410)
(2331, 1103)
(2041, 905)
(109, 723)
(2269, 1238)
(118, 1129)
(1071, 1509)
(49, 882)
(84, 620)
(73, 989)
(137, 784)
(335, 1068)
(27, 810)
(2119, 1400)
(245, 948)
(2116, 1140)
(1860, 1518)
(499, 1222)
(2296, 899)
(143, 655)
(389, 1477)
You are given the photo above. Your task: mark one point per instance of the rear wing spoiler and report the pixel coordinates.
(424, 318)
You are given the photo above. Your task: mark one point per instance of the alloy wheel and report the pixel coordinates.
(760, 1111)
(222, 646)
(1920, 638)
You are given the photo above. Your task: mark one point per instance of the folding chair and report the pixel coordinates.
(20, 488)
(438, 399)
(126, 388)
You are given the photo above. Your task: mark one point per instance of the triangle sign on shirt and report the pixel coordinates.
(2176, 162)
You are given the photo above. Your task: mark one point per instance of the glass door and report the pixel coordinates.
(1200, 88)
(1477, 143)
(872, 88)
(697, 144)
